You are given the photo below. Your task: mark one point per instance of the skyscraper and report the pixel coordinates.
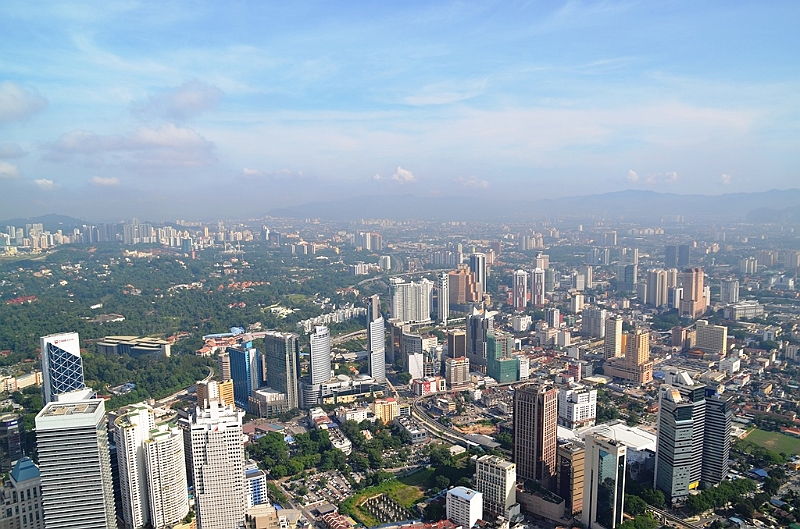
(480, 323)
(537, 287)
(166, 476)
(694, 301)
(717, 437)
(612, 345)
(657, 287)
(320, 368)
(520, 290)
(456, 343)
(477, 264)
(376, 339)
(604, 482)
(443, 297)
(11, 434)
(130, 431)
(282, 356)
(593, 323)
(630, 278)
(245, 371)
(410, 301)
(570, 468)
(729, 290)
(62, 366)
(77, 489)
(218, 466)
(535, 431)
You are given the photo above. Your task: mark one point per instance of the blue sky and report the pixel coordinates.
(210, 109)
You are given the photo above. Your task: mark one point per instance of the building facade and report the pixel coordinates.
(62, 366)
(604, 482)
(535, 432)
(282, 357)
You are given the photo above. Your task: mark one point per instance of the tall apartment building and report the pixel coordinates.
(577, 406)
(477, 264)
(410, 301)
(593, 322)
(166, 476)
(245, 372)
(588, 273)
(519, 290)
(496, 479)
(729, 290)
(223, 367)
(711, 338)
(20, 501)
(456, 371)
(376, 340)
(694, 302)
(62, 366)
(217, 454)
(717, 437)
(636, 366)
(612, 345)
(538, 288)
(570, 465)
(535, 432)
(463, 289)
(320, 360)
(75, 466)
(442, 297)
(657, 287)
(282, 357)
(604, 482)
(553, 317)
(130, 431)
(208, 390)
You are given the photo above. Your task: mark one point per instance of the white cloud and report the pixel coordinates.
(168, 145)
(256, 173)
(473, 182)
(725, 179)
(632, 176)
(8, 171)
(104, 181)
(44, 184)
(404, 176)
(186, 101)
(17, 103)
(11, 150)
(671, 177)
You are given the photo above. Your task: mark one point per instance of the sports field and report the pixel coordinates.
(775, 441)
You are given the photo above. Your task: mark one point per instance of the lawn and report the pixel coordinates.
(402, 493)
(774, 441)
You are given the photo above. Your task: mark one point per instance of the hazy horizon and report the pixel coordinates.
(219, 110)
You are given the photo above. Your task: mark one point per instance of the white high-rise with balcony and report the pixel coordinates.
(166, 477)
(130, 432)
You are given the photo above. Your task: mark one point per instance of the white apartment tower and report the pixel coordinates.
(520, 290)
(612, 346)
(477, 265)
(443, 292)
(130, 432)
(729, 291)
(593, 322)
(657, 287)
(464, 506)
(320, 368)
(75, 466)
(537, 287)
(62, 366)
(410, 301)
(218, 466)
(376, 340)
(166, 477)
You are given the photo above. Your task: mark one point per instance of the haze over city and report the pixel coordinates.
(143, 109)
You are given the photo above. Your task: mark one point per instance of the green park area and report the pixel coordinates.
(404, 494)
(774, 441)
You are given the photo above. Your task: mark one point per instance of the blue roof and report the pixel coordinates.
(759, 472)
(24, 470)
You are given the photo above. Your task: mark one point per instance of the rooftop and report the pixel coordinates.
(24, 470)
(59, 409)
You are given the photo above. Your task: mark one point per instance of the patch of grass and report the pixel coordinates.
(405, 495)
(420, 478)
(774, 441)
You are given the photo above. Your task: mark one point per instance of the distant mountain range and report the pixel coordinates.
(50, 222)
(767, 206)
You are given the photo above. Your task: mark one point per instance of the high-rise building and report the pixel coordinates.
(218, 466)
(223, 366)
(442, 297)
(62, 366)
(496, 479)
(386, 409)
(245, 372)
(477, 264)
(411, 302)
(500, 365)
(717, 437)
(464, 506)
(671, 256)
(637, 347)
(588, 274)
(463, 289)
(612, 345)
(710, 338)
(570, 464)
(636, 367)
(456, 343)
(480, 323)
(282, 356)
(593, 322)
(538, 288)
(694, 302)
(657, 287)
(166, 476)
(553, 317)
(75, 465)
(535, 432)
(20, 501)
(11, 433)
(376, 340)
(520, 290)
(456, 371)
(630, 277)
(320, 368)
(729, 291)
(208, 390)
(604, 482)
(684, 255)
(130, 431)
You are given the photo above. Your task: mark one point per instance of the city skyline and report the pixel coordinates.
(434, 99)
